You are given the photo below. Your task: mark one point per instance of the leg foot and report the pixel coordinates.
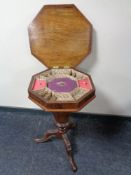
(47, 136)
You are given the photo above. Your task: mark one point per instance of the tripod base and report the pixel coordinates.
(63, 125)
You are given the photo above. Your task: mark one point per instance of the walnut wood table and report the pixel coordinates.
(60, 37)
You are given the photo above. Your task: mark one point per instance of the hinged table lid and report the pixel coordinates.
(60, 36)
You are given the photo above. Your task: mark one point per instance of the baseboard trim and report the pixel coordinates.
(77, 114)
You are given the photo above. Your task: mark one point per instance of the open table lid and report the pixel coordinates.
(60, 36)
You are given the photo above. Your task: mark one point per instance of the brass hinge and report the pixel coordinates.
(57, 67)
(66, 67)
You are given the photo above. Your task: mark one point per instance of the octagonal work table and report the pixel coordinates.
(60, 37)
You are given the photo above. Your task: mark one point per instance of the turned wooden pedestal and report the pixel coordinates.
(63, 125)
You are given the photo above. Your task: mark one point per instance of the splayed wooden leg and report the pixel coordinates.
(69, 152)
(49, 134)
(63, 125)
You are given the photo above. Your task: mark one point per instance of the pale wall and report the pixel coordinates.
(109, 63)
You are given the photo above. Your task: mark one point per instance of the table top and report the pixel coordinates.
(60, 35)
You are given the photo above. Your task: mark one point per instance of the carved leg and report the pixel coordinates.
(69, 151)
(63, 125)
(47, 136)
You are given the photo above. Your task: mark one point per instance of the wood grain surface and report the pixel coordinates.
(60, 36)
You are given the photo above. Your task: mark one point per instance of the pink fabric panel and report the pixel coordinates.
(39, 84)
(85, 83)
